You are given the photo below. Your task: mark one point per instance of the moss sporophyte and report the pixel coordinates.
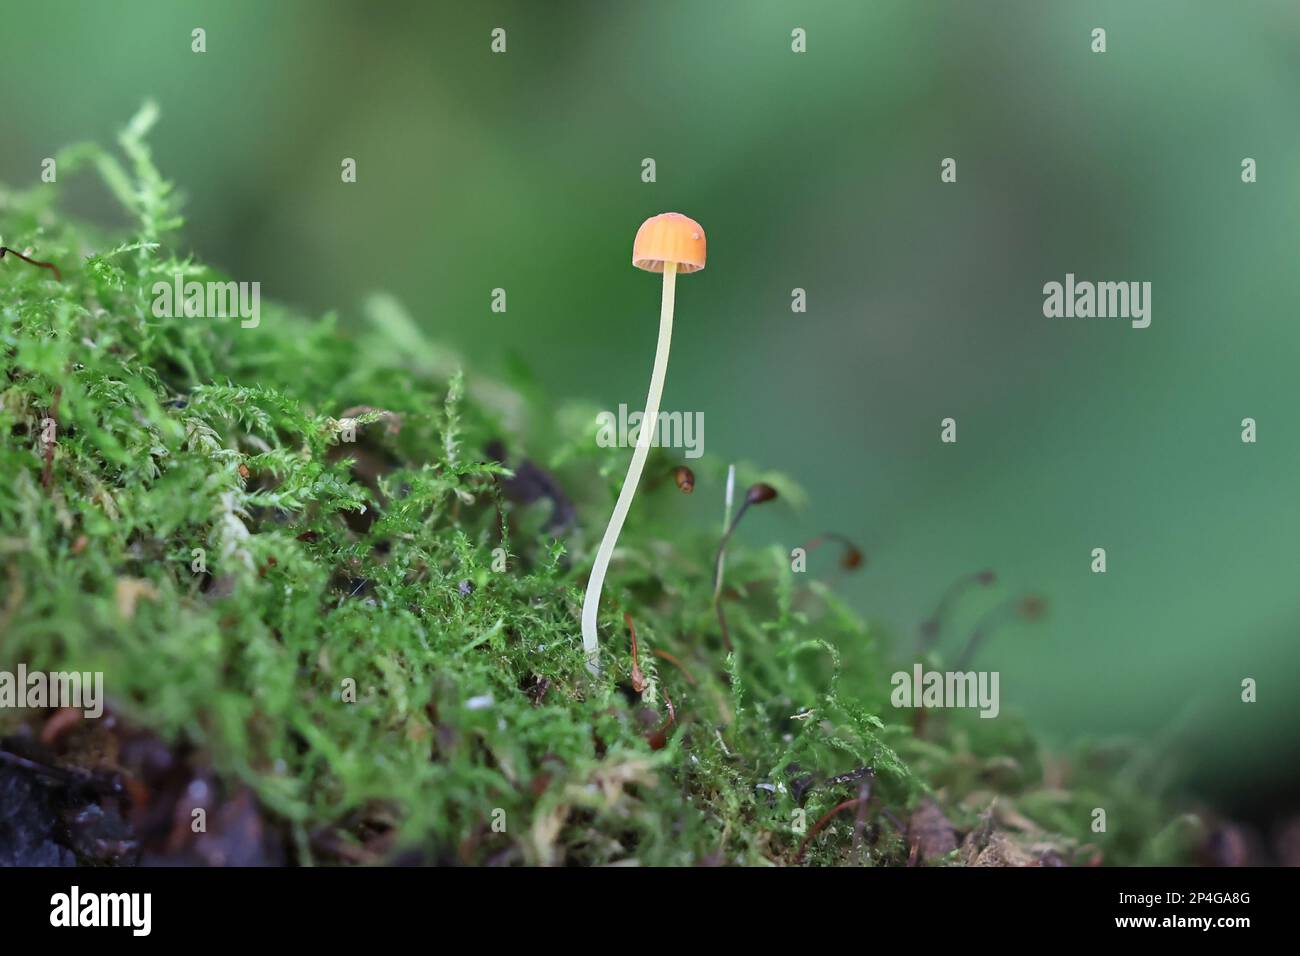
(35, 262)
(667, 243)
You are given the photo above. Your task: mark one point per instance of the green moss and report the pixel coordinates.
(373, 561)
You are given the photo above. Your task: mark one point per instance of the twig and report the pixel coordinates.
(68, 776)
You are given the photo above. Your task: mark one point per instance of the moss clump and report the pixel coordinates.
(476, 733)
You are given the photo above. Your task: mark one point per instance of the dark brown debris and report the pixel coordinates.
(531, 484)
(930, 837)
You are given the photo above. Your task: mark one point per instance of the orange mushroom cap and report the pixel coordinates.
(669, 237)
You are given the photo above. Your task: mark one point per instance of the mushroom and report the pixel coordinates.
(669, 243)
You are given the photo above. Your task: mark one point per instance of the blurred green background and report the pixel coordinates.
(821, 171)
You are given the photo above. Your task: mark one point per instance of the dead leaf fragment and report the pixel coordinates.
(929, 834)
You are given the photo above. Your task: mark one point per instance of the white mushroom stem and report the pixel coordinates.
(645, 434)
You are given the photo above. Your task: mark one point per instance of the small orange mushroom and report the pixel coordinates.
(669, 243)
